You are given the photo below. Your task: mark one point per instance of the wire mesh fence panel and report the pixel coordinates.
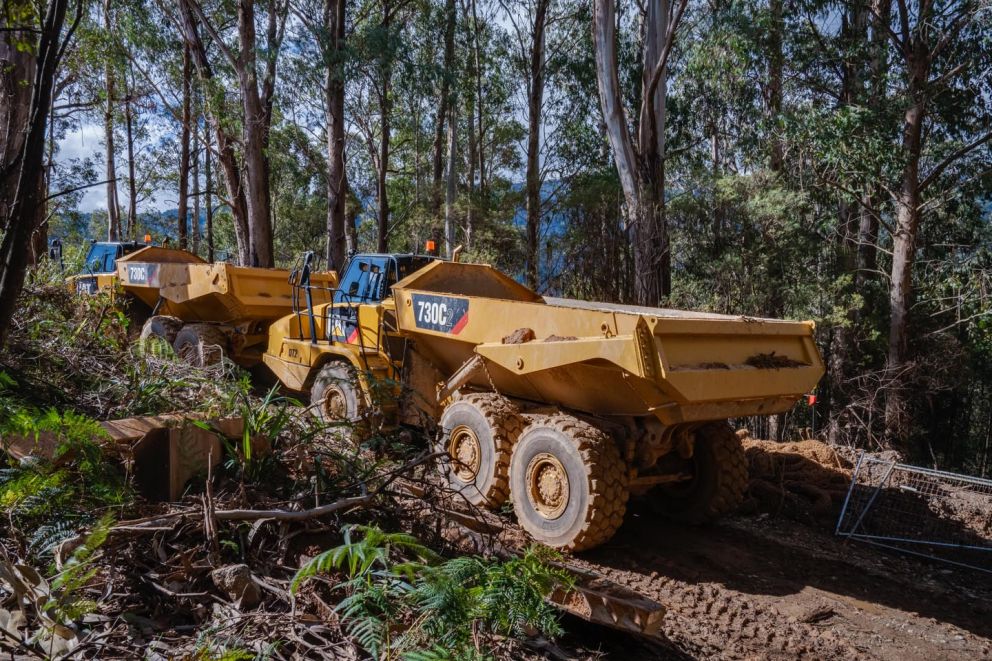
(926, 512)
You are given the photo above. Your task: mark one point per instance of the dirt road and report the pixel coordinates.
(760, 587)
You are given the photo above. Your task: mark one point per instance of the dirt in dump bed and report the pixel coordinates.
(520, 336)
(767, 361)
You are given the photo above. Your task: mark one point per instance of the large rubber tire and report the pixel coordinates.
(719, 469)
(161, 326)
(481, 430)
(337, 395)
(590, 510)
(201, 345)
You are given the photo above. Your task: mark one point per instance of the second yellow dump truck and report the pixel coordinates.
(563, 407)
(205, 310)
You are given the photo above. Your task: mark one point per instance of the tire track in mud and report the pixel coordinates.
(706, 620)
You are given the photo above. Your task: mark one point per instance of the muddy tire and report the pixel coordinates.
(568, 482)
(478, 433)
(719, 480)
(161, 326)
(336, 395)
(158, 335)
(201, 345)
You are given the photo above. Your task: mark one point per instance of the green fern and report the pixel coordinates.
(392, 579)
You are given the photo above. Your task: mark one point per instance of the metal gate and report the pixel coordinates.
(935, 514)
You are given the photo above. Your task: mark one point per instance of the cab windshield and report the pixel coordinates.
(101, 258)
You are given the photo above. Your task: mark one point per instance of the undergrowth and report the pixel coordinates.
(53, 496)
(401, 600)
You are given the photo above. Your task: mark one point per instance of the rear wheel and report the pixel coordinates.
(201, 345)
(568, 482)
(719, 478)
(336, 394)
(157, 331)
(478, 433)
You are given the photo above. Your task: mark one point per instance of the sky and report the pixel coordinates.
(86, 140)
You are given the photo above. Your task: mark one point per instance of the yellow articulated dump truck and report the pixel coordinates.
(565, 408)
(208, 310)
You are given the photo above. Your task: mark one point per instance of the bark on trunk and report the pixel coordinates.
(337, 241)
(641, 170)
(444, 106)
(535, 103)
(382, 233)
(113, 206)
(22, 184)
(208, 202)
(451, 180)
(907, 203)
(132, 184)
(182, 218)
(195, 172)
(776, 65)
(385, 108)
(255, 137)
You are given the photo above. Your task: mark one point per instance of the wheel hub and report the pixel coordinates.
(466, 453)
(547, 485)
(335, 404)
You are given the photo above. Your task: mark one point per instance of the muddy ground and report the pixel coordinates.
(757, 587)
(774, 581)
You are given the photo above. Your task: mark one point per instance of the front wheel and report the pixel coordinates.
(336, 394)
(568, 483)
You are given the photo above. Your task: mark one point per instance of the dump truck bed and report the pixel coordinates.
(605, 359)
(197, 291)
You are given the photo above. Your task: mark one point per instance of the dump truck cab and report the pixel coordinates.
(353, 338)
(100, 267)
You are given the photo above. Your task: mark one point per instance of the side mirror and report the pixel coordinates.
(353, 289)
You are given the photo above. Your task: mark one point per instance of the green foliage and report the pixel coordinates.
(65, 603)
(77, 478)
(401, 597)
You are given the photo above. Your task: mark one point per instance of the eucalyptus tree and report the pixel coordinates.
(32, 45)
(640, 158)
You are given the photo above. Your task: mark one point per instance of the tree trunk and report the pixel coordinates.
(195, 171)
(255, 136)
(184, 137)
(776, 65)
(444, 105)
(113, 206)
(385, 108)
(479, 100)
(208, 202)
(451, 181)
(535, 103)
(907, 203)
(473, 201)
(641, 171)
(382, 233)
(225, 147)
(132, 184)
(23, 170)
(337, 241)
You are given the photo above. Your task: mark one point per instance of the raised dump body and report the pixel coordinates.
(207, 310)
(605, 359)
